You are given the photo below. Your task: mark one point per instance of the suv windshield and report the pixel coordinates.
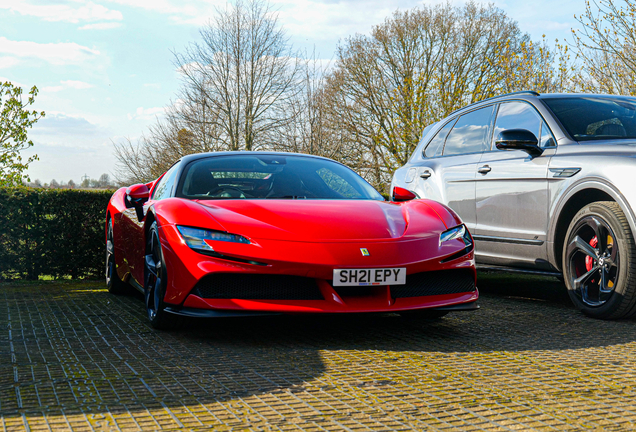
(272, 176)
(589, 118)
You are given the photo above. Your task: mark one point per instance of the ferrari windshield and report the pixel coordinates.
(272, 176)
(588, 118)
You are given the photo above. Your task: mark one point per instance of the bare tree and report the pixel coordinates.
(244, 88)
(606, 47)
(239, 86)
(417, 67)
(103, 181)
(135, 161)
(187, 128)
(244, 70)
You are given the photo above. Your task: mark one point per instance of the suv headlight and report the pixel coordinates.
(195, 237)
(458, 232)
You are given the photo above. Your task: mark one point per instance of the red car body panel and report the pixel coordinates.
(308, 238)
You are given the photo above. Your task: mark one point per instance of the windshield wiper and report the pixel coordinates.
(288, 197)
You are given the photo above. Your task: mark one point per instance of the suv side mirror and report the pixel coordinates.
(518, 139)
(401, 194)
(136, 197)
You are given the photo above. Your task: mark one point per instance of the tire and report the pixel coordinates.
(114, 284)
(155, 284)
(599, 262)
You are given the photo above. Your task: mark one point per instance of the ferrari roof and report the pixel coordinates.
(196, 156)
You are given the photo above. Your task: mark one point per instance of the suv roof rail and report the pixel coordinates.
(530, 92)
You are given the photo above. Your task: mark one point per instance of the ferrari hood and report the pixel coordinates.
(320, 220)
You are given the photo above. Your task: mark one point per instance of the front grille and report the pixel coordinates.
(356, 291)
(435, 283)
(257, 287)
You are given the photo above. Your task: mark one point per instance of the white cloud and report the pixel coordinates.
(100, 26)
(52, 89)
(62, 124)
(7, 62)
(321, 20)
(79, 85)
(69, 84)
(54, 53)
(187, 8)
(146, 113)
(15, 83)
(88, 11)
(152, 85)
(306, 18)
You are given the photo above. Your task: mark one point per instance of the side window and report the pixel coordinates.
(435, 147)
(470, 132)
(547, 140)
(164, 188)
(520, 115)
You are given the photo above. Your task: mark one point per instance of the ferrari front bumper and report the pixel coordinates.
(311, 266)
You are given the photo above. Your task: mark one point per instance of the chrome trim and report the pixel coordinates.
(484, 169)
(508, 240)
(564, 172)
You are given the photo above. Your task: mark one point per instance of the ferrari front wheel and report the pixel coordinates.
(155, 284)
(114, 284)
(599, 262)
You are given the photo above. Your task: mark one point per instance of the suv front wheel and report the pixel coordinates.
(599, 262)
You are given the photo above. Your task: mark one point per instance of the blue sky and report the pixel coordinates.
(105, 68)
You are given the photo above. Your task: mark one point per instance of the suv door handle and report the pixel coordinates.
(426, 174)
(484, 170)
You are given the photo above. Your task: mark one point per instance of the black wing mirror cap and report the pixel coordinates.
(518, 139)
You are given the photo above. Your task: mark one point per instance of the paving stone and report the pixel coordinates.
(74, 357)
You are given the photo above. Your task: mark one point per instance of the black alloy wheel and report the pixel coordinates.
(114, 284)
(155, 284)
(599, 261)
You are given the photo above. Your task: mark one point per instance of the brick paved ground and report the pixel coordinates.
(73, 356)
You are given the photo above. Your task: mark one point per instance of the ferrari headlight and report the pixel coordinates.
(458, 232)
(195, 237)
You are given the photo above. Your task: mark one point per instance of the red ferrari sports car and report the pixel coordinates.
(245, 233)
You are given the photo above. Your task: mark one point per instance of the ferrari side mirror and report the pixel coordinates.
(136, 197)
(400, 194)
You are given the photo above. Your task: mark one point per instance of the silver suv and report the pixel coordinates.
(546, 184)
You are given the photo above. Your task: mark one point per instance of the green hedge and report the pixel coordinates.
(52, 232)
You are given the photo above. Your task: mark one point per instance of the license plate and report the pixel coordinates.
(376, 276)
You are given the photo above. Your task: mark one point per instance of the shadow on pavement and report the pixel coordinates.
(75, 348)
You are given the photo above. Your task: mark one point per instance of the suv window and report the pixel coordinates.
(164, 187)
(588, 118)
(470, 132)
(435, 147)
(522, 115)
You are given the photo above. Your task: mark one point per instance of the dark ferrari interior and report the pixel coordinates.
(275, 177)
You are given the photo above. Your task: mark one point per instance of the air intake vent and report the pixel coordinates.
(257, 287)
(435, 283)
